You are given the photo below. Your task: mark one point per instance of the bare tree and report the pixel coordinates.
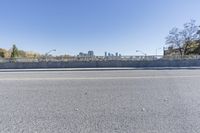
(174, 40)
(189, 34)
(182, 39)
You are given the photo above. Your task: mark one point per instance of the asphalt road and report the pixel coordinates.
(113, 101)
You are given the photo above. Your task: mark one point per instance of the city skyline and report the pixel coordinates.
(70, 27)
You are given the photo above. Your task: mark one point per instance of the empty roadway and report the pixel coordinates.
(109, 101)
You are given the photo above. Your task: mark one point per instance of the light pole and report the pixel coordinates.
(157, 52)
(141, 52)
(145, 55)
(53, 50)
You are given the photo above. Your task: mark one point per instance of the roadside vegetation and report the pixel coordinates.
(14, 52)
(184, 41)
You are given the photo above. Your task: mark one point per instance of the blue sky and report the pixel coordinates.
(72, 26)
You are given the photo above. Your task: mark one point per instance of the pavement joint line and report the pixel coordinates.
(99, 69)
(98, 78)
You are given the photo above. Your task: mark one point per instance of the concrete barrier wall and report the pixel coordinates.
(93, 64)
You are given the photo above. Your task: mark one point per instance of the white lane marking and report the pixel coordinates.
(99, 78)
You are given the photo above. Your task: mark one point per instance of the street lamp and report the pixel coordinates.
(50, 51)
(157, 51)
(141, 52)
(53, 50)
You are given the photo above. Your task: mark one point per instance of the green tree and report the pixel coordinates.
(15, 51)
(2, 53)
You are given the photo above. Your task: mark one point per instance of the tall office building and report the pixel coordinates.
(90, 53)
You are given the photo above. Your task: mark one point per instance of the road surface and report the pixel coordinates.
(109, 101)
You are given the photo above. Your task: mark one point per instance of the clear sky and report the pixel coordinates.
(73, 26)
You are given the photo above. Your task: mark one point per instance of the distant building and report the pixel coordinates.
(112, 55)
(170, 51)
(90, 53)
(81, 54)
(105, 54)
(193, 49)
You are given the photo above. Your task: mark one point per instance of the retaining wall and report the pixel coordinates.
(94, 64)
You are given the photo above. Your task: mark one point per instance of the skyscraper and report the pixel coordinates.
(90, 53)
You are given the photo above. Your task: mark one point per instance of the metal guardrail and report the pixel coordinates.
(103, 58)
